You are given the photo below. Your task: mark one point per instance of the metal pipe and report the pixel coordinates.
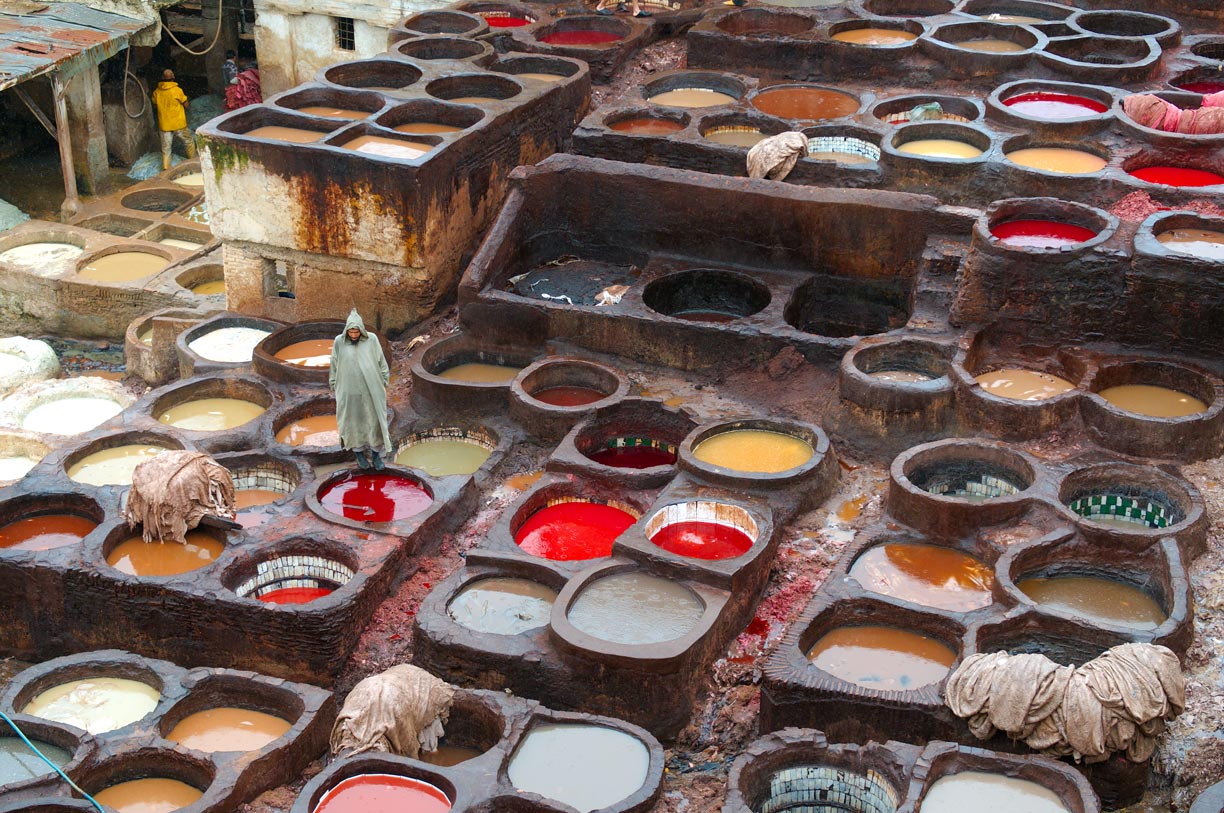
(72, 203)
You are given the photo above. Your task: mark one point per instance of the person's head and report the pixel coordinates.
(167, 75)
(353, 334)
(230, 54)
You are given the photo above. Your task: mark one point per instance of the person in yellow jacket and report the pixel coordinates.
(171, 104)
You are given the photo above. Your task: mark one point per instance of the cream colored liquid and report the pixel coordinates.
(1058, 159)
(40, 255)
(70, 416)
(215, 286)
(211, 414)
(736, 138)
(228, 344)
(543, 77)
(1196, 242)
(692, 97)
(1023, 385)
(587, 767)
(190, 179)
(940, 148)
(136, 557)
(14, 468)
(113, 466)
(635, 608)
(318, 430)
(481, 373)
(388, 147)
(293, 134)
(123, 266)
(840, 157)
(1158, 402)
(444, 456)
(502, 606)
(308, 353)
(97, 704)
(754, 450)
(901, 376)
(991, 46)
(174, 242)
(874, 36)
(333, 112)
(228, 729)
(975, 790)
(425, 128)
(149, 796)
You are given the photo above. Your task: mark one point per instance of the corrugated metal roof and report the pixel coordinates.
(32, 44)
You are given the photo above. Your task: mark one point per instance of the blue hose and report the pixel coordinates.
(54, 767)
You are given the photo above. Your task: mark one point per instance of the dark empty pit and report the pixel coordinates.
(973, 480)
(706, 296)
(373, 74)
(572, 280)
(156, 200)
(1128, 498)
(440, 21)
(923, 107)
(757, 22)
(908, 8)
(1125, 24)
(452, 48)
(840, 307)
(473, 88)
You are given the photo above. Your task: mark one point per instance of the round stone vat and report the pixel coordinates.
(1185, 100)
(430, 117)
(947, 776)
(761, 453)
(903, 381)
(261, 480)
(461, 375)
(98, 693)
(453, 49)
(703, 529)
(39, 522)
(293, 573)
(363, 498)
(443, 21)
(950, 486)
(1128, 24)
(647, 121)
(123, 263)
(110, 460)
(331, 102)
(898, 109)
(447, 450)
(1043, 226)
(308, 427)
(1155, 168)
(563, 523)
(506, 600)
(805, 102)
(1198, 80)
(299, 353)
(25, 772)
(156, 200)
(396, 782)
(973, 48)
(891, 35)
(501, 15)
(541, 68)
(1016, 12)
(1184, 237)
(694, 89)
(226, 713)
(704, 295)
(475, 727)
(830, 305)
(583, 32)
(1099, 59)
(187, 175)
(908, 8)
(221, 343)
(125, 551)
(45, 253)
(116, 224)
(551, 395)
(637, 440)
(844, 146)
(756, 22)
(1054, 158)
(947, 144)
(126, 782)
(742, 130)
(373, 74)
(1155, 409)
(476, 88)
(19, 452)
(1210, 49)
(210, 405)
(1064, 105)
(203, 280)
(955, 576)
(1140, 502)
(1067, 642)
(67, 406)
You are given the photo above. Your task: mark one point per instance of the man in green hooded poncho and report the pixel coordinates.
(359, 375)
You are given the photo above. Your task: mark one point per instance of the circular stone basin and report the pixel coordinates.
(19, 764)
(635, 608)
(95, 704)
(136, 557)
(941, 148)
(156, 200)
(706, 296)
(298, 578)
(45, 532)
(229, 345)
(967, 479)
(381, 793)
(977, 790)
(191, 179)
(929, 575)
(991, 45)
(692, 97)
(149, 795)
(568, 396)
(70, 415)
(1057, 159)
(475, 372)
(1202, 86)
(39, 255)
(754, 450)
(806, 103)
(703, 530)
(734, 136)
(313, 430)
(1018, 384)
(1156, 402)
(572, 530)
(1177, 176)
(374, 497)
(874, 36)
(1043, 104)
(581, 37)
(228, 728)
(308, 353)
(211, 414)
(1098, 600)
(1129, 512)
(502, 606)
(503, 19)
(587, 767)
(444, 455)
(634, 453)
(123, 266)
(882, 658)
(112, 466)
(1195, 242)
(209, 288)
(1040, 234)
(646, 125)
(843, 150)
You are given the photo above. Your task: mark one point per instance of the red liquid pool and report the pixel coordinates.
(506, 22)
(45, 532)
(1045, 105)
(569, 531)
(295, 595)
(633, 457)
(1041, 233)
(703, 540)
(375, 497)
(580, 38)
(1178, 176)
(568, 396)
(1202, 87)
(646, 125)
(383, 793)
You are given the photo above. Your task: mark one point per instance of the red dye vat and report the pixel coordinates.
(703, 540)
(45, 532)
(569, 531)
(506, 22)
(375, 497)
(580, 37)
(295, 595)
(383, 793)
(1044, 105)
(645, 125)
(1202, 87)
(633, 457)
(1178, 176)
(568, 396)
(1040, 233)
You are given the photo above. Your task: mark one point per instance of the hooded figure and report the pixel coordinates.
(171, 104)
(359, 376)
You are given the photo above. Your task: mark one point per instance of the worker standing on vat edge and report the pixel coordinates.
(359, 376)
(171, 104)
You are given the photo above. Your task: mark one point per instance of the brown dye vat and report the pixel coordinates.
(427, 127)
(734, 137)
(543, 77)
(309, 353)
(926, 574)
(252, 497)
(474, 100)
(882, 658)
(447, 755)
(211, 414)
(647, 125)
(480, 373)
(1195, 242)
(333, 112)
(136, 557)
(1158, 402)
(295, 135)
(228, 728)
(991, 46)
(1023, 385)
(874, 36)
(45, 532)
(1102, 600)
(123, 266)
(388, 147)
(315, 430)
(692, 97)
(805, 103)
(154, 795)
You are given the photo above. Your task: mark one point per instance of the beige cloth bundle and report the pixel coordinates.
(400, 711)
(173, 491)
(776, 156)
